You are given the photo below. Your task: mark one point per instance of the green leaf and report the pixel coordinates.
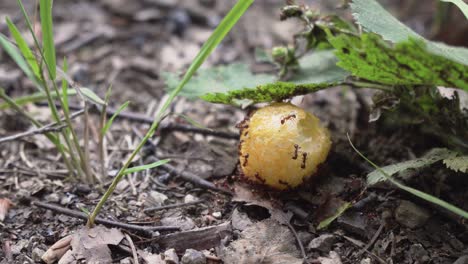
(146, 167)
(233, 83)
(24, 48)
(457, 163)
(91, 96)
(111, 120)
(431, 157)
(220, 79)
(404, 63)
(192, 121)
(374, 18)
(460, 4)
(15, 54)
(450, 207)
(323, 224)
(48, 35)
(32, 98)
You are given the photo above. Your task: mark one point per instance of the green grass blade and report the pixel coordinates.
(339, 211)
(48, 35)
(111, 120)
(32, 98)
(15, 54)
(146, 167)
(90, 96)
(415, 192)
(192, 121)
(219, 33)
(24, 48)
(65, 102)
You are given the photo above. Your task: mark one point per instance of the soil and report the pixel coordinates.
(129, 44)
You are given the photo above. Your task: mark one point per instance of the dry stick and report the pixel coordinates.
(52, 127)
(299, 242)
(41, 130)
(132, 246)
(373, 239)
(147, 230)
(170, 206)
(192, 178)
(149, 120)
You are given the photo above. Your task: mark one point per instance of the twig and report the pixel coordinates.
(373, 239)
(374, 256)
(132, 246)
(170, 206)
(147, 230)
(299, 242)
(192, 178)
(165, 128)
(37, 131)
(53, 127)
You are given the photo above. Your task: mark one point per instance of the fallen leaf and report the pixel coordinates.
(57, 250)
(333, 258)
(244, 194)
(91, 245)
(5, 205)
(263, 242)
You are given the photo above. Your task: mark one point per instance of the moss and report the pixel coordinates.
(405, 63)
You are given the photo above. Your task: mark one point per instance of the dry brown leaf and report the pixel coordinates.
(265, 242)
(57, 250)
(248, 195)
(5, 205)
(91, 245)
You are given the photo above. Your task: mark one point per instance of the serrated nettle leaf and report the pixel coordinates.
(24, 48)
(89, 95)
(235, 83)
(111, 120)
(374, 18)
(457, 163)
(431, 157)
(425, 196)
(403, 63)
(460, 4)
(146, 167)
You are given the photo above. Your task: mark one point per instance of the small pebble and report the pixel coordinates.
(217, 215)
(170, 256)
(190, 198)
(193, 256)
(37, 254)
(411, 215)
(462, 260)
(322, 243)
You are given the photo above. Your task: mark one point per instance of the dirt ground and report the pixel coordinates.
(129, 44)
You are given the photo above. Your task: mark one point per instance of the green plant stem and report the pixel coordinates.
(101, 150)
(50, 101)
(415, 192)
(53, 138)
(87, 168)
(32, 98)
(220, 32)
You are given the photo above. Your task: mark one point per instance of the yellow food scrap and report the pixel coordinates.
(281, 145)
